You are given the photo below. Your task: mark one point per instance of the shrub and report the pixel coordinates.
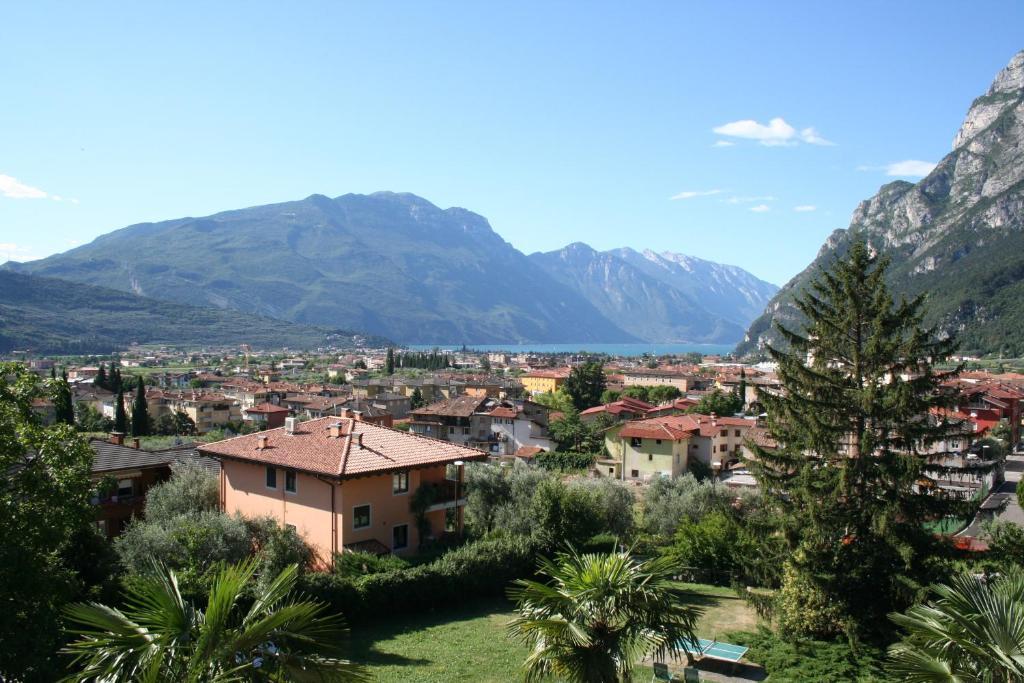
(562, 461)
(711, 549)
(358, 563)
(668, 501)
(812, 660)
(190, 489)
(565, 514)
(613, 503)
(803, 610)
(477, 569)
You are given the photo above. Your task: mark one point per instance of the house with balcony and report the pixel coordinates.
(343, 484)
(668, 446)
(122, 474)
(458, 420)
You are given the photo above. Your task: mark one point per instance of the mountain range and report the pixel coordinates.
(48, 315)
(394, 264)
(957, 236)
(661, 297)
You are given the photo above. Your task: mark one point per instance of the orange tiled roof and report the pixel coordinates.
(363, 448)
(677, 427)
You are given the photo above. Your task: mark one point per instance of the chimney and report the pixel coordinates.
(289, 425)
(261, 442)
(336, 430)
(117, 438)
(357, 415)
(359, 439)
(135, 443)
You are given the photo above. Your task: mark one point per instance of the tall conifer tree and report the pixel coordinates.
(140, 410)
(389, 362)
(60, 394)
(101, 377)
(860, 408)
(120, 418)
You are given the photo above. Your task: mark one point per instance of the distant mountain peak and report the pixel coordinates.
(661, 297)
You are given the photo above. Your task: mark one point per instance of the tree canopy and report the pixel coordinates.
(46, 518)
(853, 425)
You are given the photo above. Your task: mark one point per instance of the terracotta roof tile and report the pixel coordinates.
(362, 448)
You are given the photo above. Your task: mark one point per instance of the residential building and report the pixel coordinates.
(342, 483)
(266, 415)
(626, 408)
(123, 474)
(683, 379)
(667, 446)
(544, 381)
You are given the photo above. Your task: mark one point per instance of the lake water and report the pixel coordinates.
(610, 349)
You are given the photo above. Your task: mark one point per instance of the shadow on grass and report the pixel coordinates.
(365, 635)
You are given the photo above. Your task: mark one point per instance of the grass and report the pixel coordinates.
(468, 642)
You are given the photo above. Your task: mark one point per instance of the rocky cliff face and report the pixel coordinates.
(957, 236)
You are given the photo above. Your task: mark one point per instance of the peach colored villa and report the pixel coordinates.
(343, 484)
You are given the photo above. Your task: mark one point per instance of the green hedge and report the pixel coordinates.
(478, 569)
(559, 460)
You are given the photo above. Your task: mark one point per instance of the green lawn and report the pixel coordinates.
(468, 643)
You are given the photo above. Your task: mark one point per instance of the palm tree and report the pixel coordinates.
(161, 637)
(598, 615)
(974, 631)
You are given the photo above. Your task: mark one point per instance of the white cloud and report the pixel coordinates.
(9, 251)
(690, 194)
(750, 200)
(760, 208)
(724, 143)
(803, 208)
(775, 134)
(910, 167)
(12, 188)
(811, 137)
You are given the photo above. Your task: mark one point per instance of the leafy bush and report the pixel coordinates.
(561, 461)
(711, 549)
(184, 530)
(669, 501)
(355, 564)
(564, 514)
(190, 489)
(477, 569)
(812, 660)
(613, 505)
(802, 609)
(499, 497)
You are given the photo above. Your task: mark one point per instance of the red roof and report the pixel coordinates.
(362, 448)
(555, 373)
(623, 405)
(678, 427)
(266, 408)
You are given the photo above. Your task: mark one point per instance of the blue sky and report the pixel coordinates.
(558, 121)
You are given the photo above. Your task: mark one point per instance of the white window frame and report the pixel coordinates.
(369, 523)
(397, 526)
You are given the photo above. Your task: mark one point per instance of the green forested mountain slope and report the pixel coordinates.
(49, 315)
(957, 236)
(391, 264)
